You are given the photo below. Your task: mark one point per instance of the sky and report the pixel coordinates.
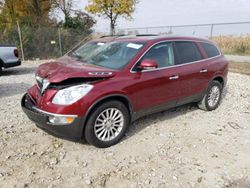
(151, 13)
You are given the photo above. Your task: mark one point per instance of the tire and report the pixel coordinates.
(1, 70)
(99, 123)
(206, 102)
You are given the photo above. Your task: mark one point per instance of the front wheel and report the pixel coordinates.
(212, 97)
(107, 124)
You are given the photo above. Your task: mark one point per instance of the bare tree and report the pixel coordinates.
(65, 6)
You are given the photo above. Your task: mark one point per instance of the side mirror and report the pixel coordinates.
(148, 64)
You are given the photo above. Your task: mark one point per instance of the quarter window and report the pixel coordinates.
(187, 52)
(162, 53)
(210, 50)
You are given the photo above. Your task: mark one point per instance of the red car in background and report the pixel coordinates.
(96, 95)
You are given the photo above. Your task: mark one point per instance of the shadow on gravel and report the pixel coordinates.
(10, 89)
(150, 120)
(241, 183)
(18, 71)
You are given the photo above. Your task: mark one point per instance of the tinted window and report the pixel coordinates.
(210, 50)
(187, 52)
(162, 53)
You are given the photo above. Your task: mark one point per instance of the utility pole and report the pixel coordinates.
(211, 31)
(20, 39)
(60, 41)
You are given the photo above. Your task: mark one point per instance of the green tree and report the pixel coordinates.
(81, 22)
(35, 12)
(112, 10)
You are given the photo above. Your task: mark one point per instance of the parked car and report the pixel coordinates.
(8, 57)
(96, 96)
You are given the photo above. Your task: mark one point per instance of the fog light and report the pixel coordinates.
(56, 120)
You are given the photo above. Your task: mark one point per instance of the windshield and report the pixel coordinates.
(85, 49)
(114, 55)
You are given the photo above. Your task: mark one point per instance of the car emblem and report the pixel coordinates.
(42, 83)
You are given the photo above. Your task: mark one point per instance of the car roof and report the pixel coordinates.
(158, 38)
(106, 38)
(150, 38)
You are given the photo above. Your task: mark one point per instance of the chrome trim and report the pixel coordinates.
(203, 71)
(172, 40)
(45, 83)
(52, 114)
(173, 77)
(100, 73)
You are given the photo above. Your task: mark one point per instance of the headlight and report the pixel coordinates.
(72, 94)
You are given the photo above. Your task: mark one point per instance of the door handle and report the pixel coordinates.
(175, 77)
(203, 70)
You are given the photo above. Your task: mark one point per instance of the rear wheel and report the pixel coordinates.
(107, 124)
(211, 99)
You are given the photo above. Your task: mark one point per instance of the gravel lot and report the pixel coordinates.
(182, 147)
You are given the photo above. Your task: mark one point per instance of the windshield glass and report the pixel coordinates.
(85, 49)
(114, 55)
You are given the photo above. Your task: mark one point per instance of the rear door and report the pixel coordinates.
(193, 71)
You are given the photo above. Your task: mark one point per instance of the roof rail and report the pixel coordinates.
(137, 35)
(145, 35)
(111, 36)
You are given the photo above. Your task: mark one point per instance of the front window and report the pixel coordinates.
(85, 49)
(162, 53)
(114, 55)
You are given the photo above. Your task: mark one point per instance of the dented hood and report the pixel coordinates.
(66, 67)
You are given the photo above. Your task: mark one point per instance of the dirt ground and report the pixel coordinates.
(239, 67)
(183, 147)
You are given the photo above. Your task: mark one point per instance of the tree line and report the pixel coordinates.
(39, 21)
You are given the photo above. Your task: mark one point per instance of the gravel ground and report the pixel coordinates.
(182, 147)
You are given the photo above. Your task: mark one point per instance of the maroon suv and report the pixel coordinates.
(97, 95)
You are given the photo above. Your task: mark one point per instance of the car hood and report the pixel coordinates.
(66, 68)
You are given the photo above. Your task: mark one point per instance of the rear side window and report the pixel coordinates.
(210, 50)
(187, 52)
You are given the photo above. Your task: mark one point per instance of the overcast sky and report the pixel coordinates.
(177, 12)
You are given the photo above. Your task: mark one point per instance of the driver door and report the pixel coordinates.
(157, 89)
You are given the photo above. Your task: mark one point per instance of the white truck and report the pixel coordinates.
(8, 57)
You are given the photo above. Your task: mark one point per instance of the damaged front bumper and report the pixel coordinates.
(64, 126)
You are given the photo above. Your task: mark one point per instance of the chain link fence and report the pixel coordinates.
(206, 30)
(40, 42)
(52, 42)
(233, 38)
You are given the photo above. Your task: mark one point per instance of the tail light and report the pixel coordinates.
(16, 53)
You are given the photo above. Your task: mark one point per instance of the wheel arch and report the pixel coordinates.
(118, 97)
(219, 79)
